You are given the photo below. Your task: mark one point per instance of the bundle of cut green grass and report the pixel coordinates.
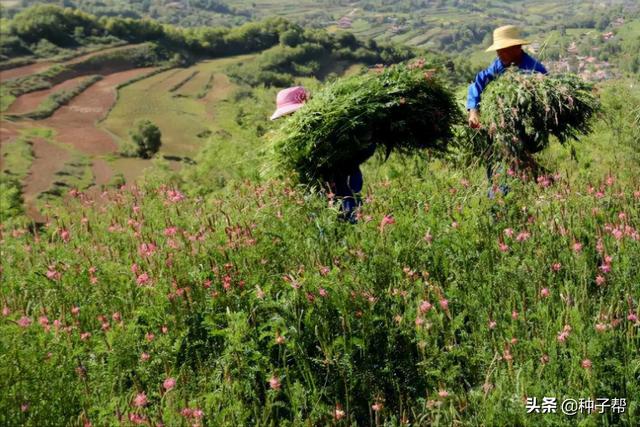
(402, 108)
(520, 112)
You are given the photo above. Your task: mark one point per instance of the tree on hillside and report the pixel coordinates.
(292, 37)
(53, 23)
(147, 138)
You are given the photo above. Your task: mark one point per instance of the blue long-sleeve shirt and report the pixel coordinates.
(528, 64)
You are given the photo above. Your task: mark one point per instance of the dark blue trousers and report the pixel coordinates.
(348, 186)
(493, 169)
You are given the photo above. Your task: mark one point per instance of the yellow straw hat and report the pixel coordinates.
(506, 36)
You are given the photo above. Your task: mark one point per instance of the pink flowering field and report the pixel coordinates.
(159, 304)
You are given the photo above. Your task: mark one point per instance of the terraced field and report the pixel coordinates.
(181, 114)
(79, 145)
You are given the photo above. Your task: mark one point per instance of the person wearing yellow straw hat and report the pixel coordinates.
(507, 43)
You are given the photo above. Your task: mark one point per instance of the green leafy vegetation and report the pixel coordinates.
(216, 295)
(401, 109)
(520, 112)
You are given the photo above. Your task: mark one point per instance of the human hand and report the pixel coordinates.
(474, 118)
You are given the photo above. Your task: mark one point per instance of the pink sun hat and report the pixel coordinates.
(289, 100)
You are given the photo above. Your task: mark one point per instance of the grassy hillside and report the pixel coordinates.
(254, 305)
(210, 293)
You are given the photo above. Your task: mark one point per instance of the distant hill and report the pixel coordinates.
(454, 26)
(186, 13)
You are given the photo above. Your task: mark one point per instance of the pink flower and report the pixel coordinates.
(503, 247)
(492, 324)
(601, 327)
(377, 406)
(508, 232)
(544, 292)
(324, 271)
(175, 196)
(164, 329)
(75, 310)
(24, 322)
(140, 400)
(444, 304)
(600, 280)
(85, 336)
(425, 306)
(338, 413)
(137, 419)
(142, 279)
(65, 235)
(386, 220)
(169, 383)
(323, 292)
(187, 412)
(149, 336)
(617, 233)
(274, 383)
(556, 267)
(577, 247)
(514, 315)
(145, 356)
(564, 334)
(455, 225)
(443, 394)
(116, 316)
(419, 321)
(170, 231)
(147, 249)
(197, 413)
(53, 274)
(632, 317)
(24, 407)
(6, 311)
(523, 236)
(586, 364)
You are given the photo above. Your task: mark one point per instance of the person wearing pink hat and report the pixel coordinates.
(289, 100)
(346, 184)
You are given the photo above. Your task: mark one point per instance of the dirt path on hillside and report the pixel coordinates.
(48, 159)
(30, 101)
(9, 131)
(25, 70)
(75, 123)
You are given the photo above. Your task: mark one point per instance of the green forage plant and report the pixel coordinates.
(520, 112)
(402, 108)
